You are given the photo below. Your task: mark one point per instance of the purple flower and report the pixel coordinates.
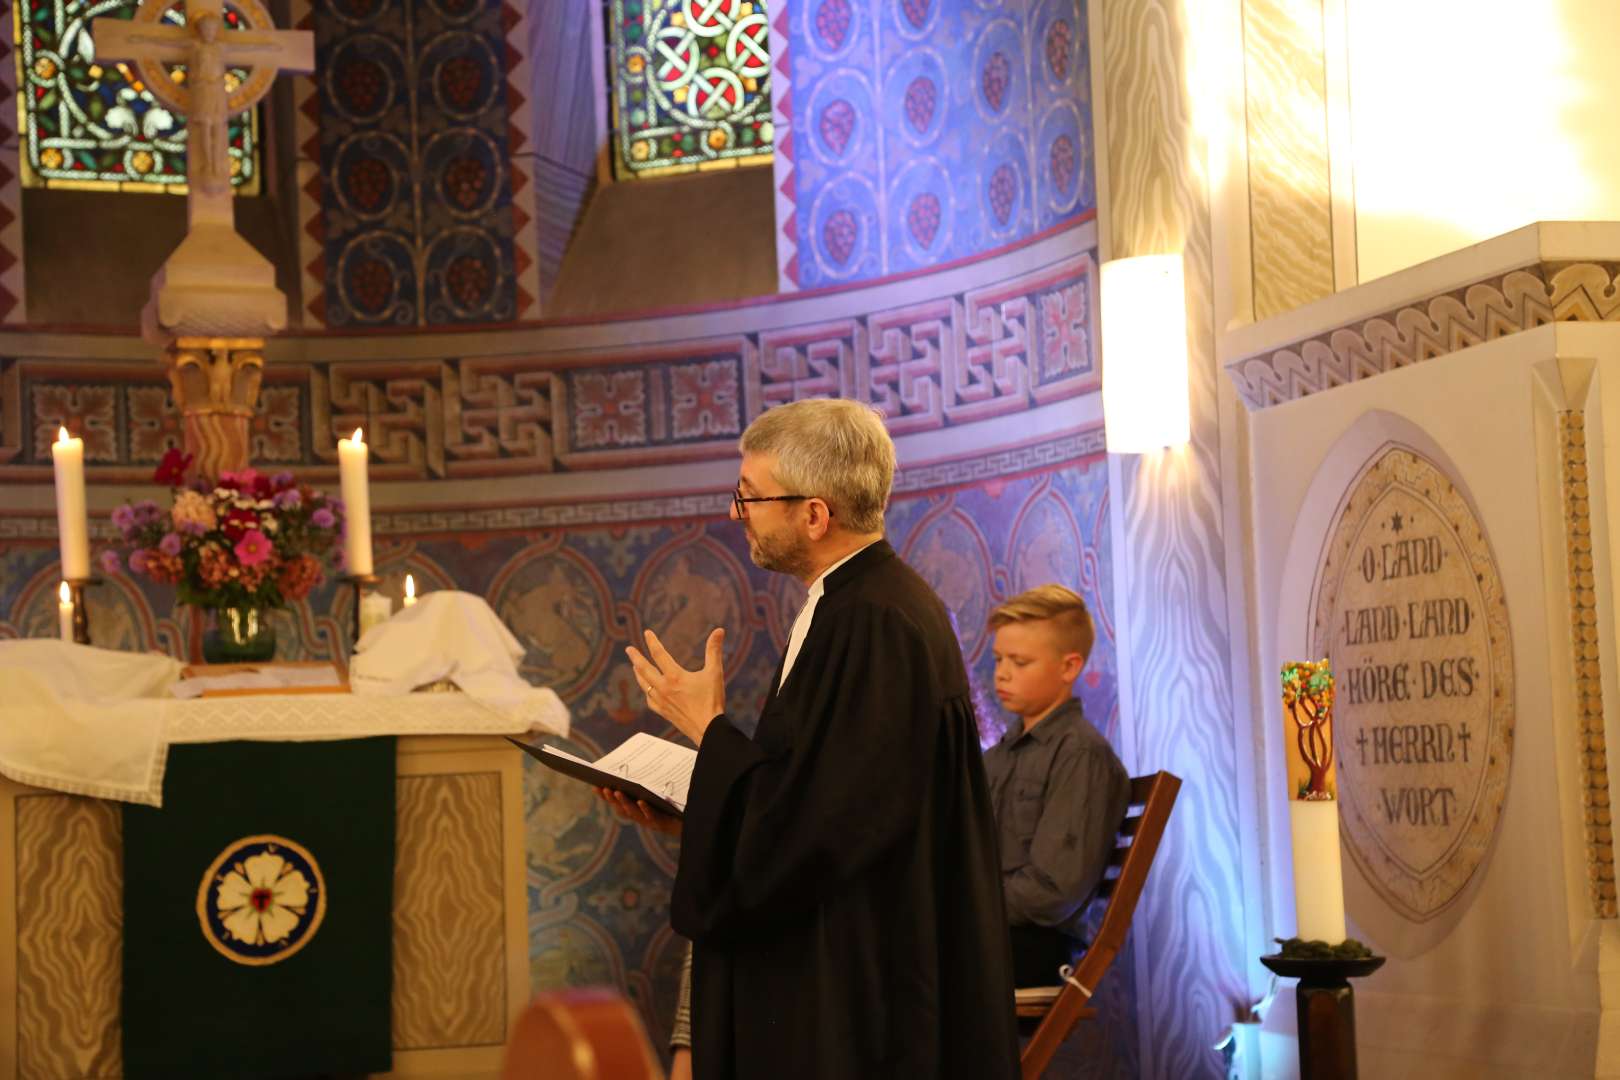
(124, 518)
(282, 481)
(146, 512)
(191, 528)
(322, 518)
(137, 560)
(288, 499)
(110, 562)
(170, 544)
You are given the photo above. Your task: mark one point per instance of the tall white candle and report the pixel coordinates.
(1313, 808)
(410, 590)
(356, 503)
(64, 612)
(1318, 877)
(67, 454)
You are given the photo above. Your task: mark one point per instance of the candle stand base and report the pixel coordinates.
(1327, 1012)
(360, 582)
(81, 613)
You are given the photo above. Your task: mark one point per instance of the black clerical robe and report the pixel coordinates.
(838, 875)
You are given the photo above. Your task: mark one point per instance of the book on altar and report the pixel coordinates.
(643, 767)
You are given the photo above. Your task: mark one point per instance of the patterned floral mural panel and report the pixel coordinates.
(598, 890)
(930, 130)
(416, 189)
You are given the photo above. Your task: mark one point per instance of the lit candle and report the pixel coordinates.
(64, 612)
(67, 455)
(410, 590)
(1313, 809)
(356, 504)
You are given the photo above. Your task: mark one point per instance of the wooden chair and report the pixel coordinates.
(580, 1035)
(1060, 1008)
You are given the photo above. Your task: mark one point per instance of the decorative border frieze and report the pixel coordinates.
(525, 234)
(1447, 322)
(991, 350)
(1588, 675)
(782, 163)
(307, 165)
(923, 479)
(13, 299)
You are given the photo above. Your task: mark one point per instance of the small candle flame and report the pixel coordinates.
(357, 439)
(62, 434)
(410, 587)
(64, 594)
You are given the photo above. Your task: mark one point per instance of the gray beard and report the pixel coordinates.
(780, 554)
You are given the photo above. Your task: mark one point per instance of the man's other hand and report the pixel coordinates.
(639, 812)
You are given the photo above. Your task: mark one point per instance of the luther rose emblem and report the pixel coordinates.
(261, 900)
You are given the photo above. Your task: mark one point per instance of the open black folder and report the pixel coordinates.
(644, 767)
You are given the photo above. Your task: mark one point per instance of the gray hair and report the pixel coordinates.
(836, 450)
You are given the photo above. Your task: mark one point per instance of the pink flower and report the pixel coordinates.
(253, 548)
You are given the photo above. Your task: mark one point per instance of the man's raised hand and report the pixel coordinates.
(688, 699)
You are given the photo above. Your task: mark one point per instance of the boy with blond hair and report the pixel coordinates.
(1058, 788)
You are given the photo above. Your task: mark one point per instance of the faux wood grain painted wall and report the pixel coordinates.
(1285, 109)
(1170, 565)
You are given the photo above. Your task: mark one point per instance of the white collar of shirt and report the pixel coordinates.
(801, 624)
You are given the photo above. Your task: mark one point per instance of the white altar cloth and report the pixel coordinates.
(67, 725)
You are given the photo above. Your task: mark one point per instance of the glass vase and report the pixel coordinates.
(239, 635)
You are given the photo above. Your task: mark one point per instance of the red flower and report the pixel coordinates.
(172, 469)
(237, 523)
(262, 487)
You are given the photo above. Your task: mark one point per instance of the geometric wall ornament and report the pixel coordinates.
(1483, 310)
(1587, 676)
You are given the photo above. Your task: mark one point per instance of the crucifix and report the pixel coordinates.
(205, 98)
(215, 298)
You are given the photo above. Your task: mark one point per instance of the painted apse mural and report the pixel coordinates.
(883, 175)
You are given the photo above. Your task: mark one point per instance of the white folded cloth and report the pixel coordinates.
(84, 720)
(458, 637)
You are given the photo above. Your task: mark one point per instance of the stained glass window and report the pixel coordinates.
(89, 125)
(691, 84)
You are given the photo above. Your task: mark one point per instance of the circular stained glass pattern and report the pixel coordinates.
(261, 900)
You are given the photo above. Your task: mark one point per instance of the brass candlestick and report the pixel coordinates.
(81, 614)
(360, 583)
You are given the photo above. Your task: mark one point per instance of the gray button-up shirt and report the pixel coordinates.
(1060, 795)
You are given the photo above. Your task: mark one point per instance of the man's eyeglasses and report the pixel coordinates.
(739, 501)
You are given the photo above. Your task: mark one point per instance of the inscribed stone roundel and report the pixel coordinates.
(1408, 606)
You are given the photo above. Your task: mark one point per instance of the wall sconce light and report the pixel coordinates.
(1144, 354)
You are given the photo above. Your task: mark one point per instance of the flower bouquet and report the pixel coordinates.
(246, 544)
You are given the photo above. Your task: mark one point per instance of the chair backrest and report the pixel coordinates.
(1152, 798)
(580, 1035)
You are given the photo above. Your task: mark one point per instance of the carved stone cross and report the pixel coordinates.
(207, 50)
(215, 298)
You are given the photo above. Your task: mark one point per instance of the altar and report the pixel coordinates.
(458, 913)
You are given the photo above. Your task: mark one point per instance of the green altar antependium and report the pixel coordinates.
(258, 912)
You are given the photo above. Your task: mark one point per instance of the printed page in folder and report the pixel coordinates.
(643, 767)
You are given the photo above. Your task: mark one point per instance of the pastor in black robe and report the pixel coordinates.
(838, 874)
